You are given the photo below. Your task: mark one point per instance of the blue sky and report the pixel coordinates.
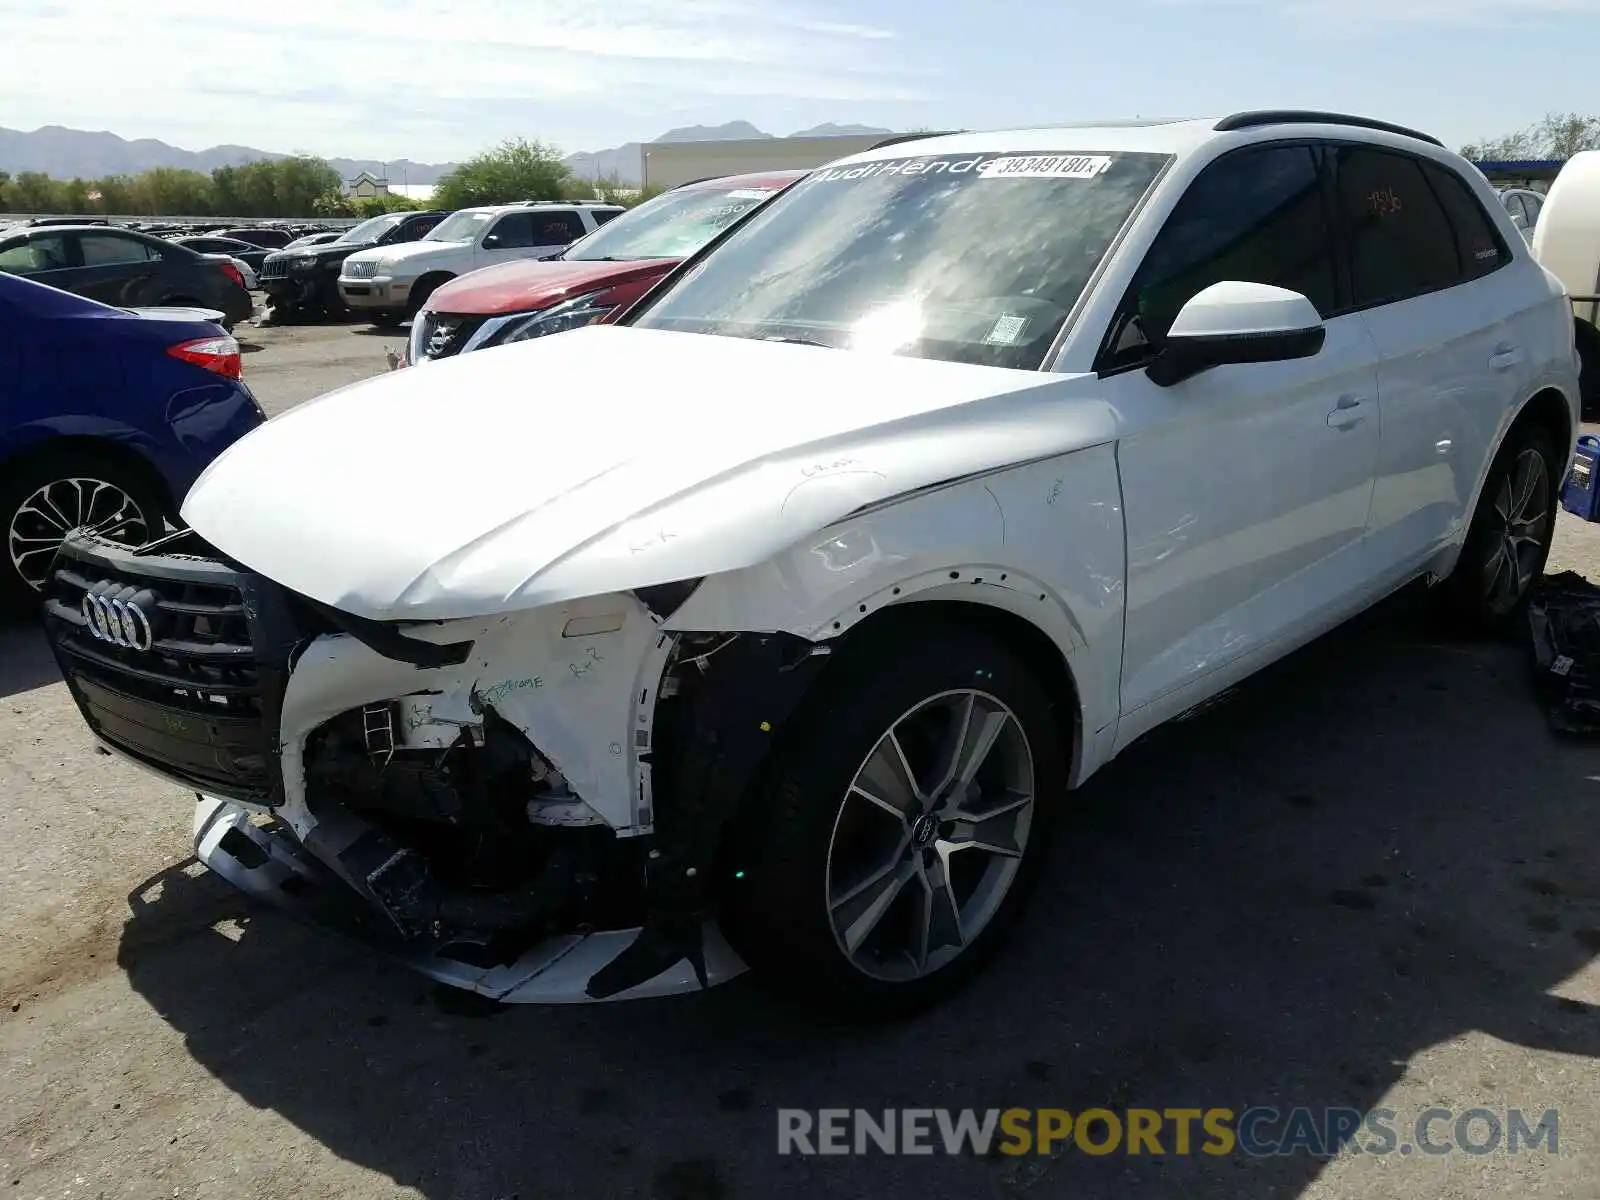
(439, 79)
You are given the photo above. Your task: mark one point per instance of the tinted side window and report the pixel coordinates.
(1257, 216)
(1478, 246)
(419, 228)
(1400, 242)
(44, 253)
(557, 228)
(601, 216)
(513, 231)
(109, 250)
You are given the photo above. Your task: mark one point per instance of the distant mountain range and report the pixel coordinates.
(76, 153)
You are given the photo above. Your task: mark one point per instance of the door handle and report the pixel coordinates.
(1505, 356)
(1347, 413)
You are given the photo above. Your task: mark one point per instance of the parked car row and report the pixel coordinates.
(597, 275)
(767, 618)
(125, 268)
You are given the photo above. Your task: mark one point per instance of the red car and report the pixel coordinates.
(595, 277)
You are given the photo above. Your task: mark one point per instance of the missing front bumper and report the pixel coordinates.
(269, 865)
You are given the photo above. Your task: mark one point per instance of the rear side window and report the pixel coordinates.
(602, 215)
(1257, 216)
(557, 228)
(1479, 249)
(47, 253)
(108, 250)
(1400, 242)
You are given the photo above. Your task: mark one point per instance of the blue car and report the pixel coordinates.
(107, 416)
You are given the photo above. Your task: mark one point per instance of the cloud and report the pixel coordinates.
(302, 70)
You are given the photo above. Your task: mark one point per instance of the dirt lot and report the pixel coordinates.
(1372, 879)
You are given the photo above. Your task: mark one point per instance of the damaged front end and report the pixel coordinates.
(530, 806)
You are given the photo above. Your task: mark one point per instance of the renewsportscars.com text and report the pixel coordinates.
(1257, 1132)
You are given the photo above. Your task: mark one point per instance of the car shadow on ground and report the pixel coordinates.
(1371, 849)
(25, 659)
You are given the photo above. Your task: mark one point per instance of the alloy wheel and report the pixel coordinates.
(1519, 531)
(930, 835)
(46, 517)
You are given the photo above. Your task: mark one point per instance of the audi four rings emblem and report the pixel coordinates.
(118, 621)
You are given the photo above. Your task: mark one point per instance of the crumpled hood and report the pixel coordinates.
(602, 459)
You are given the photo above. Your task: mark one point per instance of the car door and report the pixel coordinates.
(117, 268)
(507, 237)
(1246, 487)
(1420, 249)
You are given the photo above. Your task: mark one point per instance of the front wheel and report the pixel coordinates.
(1509, 539)
(900, 825)
(42, 501)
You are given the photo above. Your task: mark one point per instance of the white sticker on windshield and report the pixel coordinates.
(749, 193)
(1046, 166)
(1007, 331)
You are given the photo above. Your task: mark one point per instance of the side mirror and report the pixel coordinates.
(1233, 322)
(491, 240)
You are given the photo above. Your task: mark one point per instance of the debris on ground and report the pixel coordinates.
(1564, 621)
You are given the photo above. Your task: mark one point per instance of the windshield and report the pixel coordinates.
(671, 226)
(975, 258)
(459, 227)
(371, 229)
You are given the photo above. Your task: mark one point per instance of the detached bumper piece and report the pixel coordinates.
(269, 865)
(1564, 622)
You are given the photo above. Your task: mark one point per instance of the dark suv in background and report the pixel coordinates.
(125, 269)
(304, 282)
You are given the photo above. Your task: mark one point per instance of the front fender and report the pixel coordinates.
(1042, 541)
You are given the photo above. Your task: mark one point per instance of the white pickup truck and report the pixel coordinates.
(1566, 242)
(390, 283)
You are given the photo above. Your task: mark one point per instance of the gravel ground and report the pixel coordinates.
(1370, 879)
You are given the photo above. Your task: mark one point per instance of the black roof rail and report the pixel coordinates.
(1296, 116)
(912, 137)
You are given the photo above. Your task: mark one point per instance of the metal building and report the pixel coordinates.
(667, 164)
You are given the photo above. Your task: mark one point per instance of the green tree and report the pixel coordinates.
(333, 203)
(225, 191)
(116, 194)
(170, 191)
(517, 169)
(297, 182)
(35, 192)
(76, 195)
(5, 178)
(1556, 135)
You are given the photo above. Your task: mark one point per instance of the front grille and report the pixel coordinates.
(360, 270)
(175, 658)
(444, 334)
(274, 268)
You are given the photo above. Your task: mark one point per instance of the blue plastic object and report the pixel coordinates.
(1580, 494)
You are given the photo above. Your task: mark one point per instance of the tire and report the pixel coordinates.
(797, 881)
(419, 294)
(1483, 593)
(66, 478)
(1588, 343)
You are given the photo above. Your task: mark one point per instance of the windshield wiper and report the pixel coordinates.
(798, 341)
